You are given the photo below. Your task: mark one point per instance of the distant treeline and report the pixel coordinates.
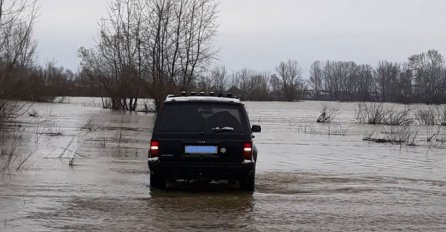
(420, 80)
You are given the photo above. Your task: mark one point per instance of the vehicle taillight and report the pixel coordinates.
(154, 148)
(247, 151)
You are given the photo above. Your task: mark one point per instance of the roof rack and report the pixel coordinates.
(201, 94)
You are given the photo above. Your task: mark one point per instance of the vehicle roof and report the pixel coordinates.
(202, 99)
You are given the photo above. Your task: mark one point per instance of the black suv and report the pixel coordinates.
(203, 138)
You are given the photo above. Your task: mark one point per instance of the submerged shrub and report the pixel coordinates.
(328, 113)
(441, 111)
(426, 116)
(372, 113)
(8, 111)
(393, 134)
(377, 114)
(2, 112)
(399, 118)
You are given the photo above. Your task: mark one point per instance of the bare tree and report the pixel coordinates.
(259, 87)
(291, 75)
(17, 50)
(429, 75)
(365, 83)
(276, 88)
(216, 80)
(387, 74)
(166, 44)
(240, 83)
(117, 63)
(16, 45)
(219, 79)
(179, 39)
(316, 78)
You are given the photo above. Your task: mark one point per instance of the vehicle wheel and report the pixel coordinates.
(157, 181)
(247, 182)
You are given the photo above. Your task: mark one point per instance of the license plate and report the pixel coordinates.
(201, 149)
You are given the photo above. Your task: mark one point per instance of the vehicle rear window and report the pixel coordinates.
(201, 117)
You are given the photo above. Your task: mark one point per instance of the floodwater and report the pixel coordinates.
(310, 177)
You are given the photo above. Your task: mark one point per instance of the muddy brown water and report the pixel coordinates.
(310, 177)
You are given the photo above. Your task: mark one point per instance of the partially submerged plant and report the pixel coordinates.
(10, 110)
(306, 128)
(91, 124)
(441, 111)
(328, 113)
(33, 113)
(337, 130)
(426, 116)
(11, 157)
(70, 151)
(399, 118)
(49, 129)
(377, 114)
(372, 113)
(394, 134)
(400, 134)
(368, 136)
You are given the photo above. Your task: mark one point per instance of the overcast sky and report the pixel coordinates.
(258, 34)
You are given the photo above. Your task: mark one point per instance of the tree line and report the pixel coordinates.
(20, 77)
(422, 79)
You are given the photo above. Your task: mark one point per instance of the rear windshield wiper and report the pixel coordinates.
(223, 129)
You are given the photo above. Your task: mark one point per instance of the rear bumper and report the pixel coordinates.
(206, 171)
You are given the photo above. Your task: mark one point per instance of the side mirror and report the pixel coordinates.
(256, 128)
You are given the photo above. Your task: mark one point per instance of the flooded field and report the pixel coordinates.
(82, 168)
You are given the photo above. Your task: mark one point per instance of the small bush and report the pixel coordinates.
(376, 114)
(9, 110)
(33, 113)
(328, 114)
(91, 124)
(441, 111)
(401, 134)
(393, 134)
(10, 158)
(426, 116)
(373, 113)
(399, 118)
